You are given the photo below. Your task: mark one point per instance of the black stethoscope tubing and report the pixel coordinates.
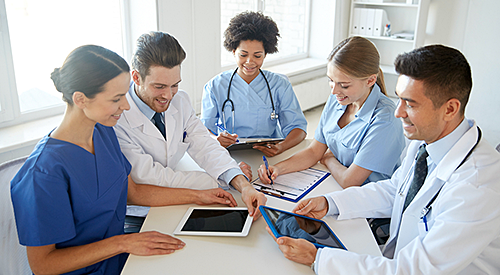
(228, 99)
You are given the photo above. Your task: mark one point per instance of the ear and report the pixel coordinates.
(371, 80)
(136, 77)
(234, 52)
(452, 109)
(80, 99)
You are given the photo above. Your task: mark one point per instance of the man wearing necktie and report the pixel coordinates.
(161, 126)
(443, 200)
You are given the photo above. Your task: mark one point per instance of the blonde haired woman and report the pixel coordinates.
(358, 138)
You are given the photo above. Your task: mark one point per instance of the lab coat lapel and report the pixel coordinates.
(136, 119)
(170, 123)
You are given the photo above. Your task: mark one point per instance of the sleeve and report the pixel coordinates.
(42, 209)
(382, 144)
(441, 249)
(290, 114)
(209, 107)
(318, 134)
(145, 169)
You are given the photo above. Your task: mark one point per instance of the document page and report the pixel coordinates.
(292, 186)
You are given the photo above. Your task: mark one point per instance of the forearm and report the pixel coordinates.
(151, 195)
(293, 138)
(49, 260)
(240, 182)
(300, 161)
(346, 176)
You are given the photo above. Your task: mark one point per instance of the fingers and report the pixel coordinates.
(226, 139)
(246, 169)
(315, 207)
(270, 150)
(252, 200)
(228, 197)
(264, 174)
(152, 243)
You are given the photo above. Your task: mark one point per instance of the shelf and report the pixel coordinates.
(388, 4)
(384, 38)
(388, 69)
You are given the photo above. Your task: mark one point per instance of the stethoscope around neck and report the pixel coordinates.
(228, 100)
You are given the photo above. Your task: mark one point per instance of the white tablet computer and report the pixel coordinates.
(215, 221)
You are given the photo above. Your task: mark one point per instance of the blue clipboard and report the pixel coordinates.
(283, 223)
(287, 194)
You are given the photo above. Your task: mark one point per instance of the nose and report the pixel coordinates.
(168, 93)
(335, 88)
(400, 112)
(125, 105)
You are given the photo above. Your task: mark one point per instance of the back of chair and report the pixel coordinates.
(498, 147)
(13, 259)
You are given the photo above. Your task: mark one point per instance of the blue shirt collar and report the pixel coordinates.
(438, 149)
(143, 107)
(366, 111)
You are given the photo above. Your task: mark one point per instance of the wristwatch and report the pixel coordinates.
(312, 266)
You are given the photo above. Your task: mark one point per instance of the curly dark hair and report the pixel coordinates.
(251, 25)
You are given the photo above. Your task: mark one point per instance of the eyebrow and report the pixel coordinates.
(404, 98)
(162, 84)
(254, 52)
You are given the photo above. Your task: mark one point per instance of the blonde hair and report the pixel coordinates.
(358, 57)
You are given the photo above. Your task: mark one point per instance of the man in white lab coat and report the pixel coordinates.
(161, 126)
(452, 225)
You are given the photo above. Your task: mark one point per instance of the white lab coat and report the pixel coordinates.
(463, 234)
(154, 160)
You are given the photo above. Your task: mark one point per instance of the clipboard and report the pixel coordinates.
(292, 186)
(248, 143)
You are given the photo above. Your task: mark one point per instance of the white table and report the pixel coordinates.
(255, 254)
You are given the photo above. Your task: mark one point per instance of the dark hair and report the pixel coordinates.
(87, 69)
(445, 73)
(251, 25)
(357, 57)
(157, 49)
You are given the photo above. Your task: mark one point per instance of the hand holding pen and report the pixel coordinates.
(267, 171)
(225, 138)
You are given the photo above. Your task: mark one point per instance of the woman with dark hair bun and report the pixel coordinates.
(70, 196)
(249, 102)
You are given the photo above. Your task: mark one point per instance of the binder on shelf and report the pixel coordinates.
(355, 21)
(363, 21)
(379, 21)
(370, 14)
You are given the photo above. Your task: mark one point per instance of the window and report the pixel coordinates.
(40, 35)
(291, 16)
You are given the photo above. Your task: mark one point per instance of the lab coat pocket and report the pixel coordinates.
(177, 154)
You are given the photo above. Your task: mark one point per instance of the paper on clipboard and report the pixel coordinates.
(293, 186)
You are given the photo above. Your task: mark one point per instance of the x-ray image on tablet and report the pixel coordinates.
(288, 224)
(215, 221)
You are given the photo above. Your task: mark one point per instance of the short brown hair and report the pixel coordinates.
(157, 49)
(445, 73)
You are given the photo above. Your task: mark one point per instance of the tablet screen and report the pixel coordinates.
(213, 220)
(301, 227)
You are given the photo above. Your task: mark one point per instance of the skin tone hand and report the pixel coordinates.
(225, 139)
(251, 197)
(297, 250)
(246, 169)
(263, 173)
(314, 207)
(215, 196)
(353, 175)
(293, 138)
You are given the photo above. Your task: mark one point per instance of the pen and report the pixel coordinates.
(267, 170)
(221, 127)
(184, 136)
(425, 222)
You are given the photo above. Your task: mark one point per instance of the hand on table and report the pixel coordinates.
(215, 196)
(252, 199)
(270, 150)
(151, 243)
(246, 169)
(314, 207)
(297, 250)
(327, 157)
(264, 176)
(225, 139)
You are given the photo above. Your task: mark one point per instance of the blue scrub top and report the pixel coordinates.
(67, 196)
(252, 106)
(373, 140)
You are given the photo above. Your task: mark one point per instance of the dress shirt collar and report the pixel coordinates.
(143, 107)
(438, 149)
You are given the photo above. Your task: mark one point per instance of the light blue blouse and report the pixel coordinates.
(252, 106)
(373, 140)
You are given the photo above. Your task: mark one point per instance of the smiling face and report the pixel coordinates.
(421, 120)
(107, 106)
(249, 57)
(159, 87)
(349, 90)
